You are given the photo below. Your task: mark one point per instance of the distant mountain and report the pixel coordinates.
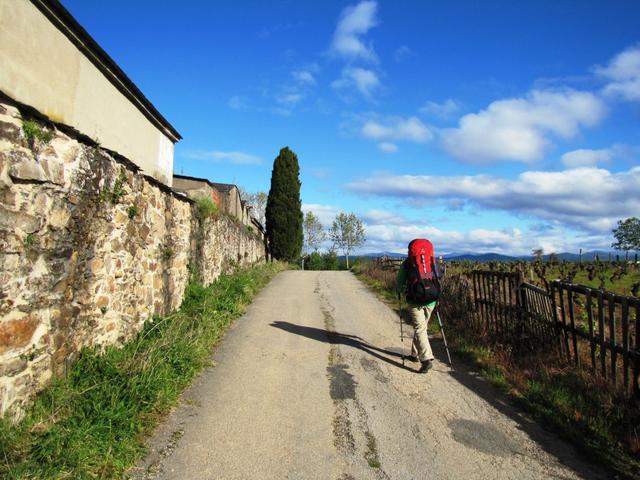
(498, 257)
(384, 254)
(483, 257)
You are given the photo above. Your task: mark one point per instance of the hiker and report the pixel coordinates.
(418, 280)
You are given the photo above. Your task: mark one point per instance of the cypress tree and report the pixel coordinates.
(284, 208)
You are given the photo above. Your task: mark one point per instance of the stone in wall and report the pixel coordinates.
(225, 244)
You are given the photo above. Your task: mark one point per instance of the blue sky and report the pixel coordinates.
(484, 126)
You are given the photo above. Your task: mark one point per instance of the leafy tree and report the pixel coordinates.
(627, 235)
(347, 233)
(284, 209)
(314, 261)
(314, 233)
(537, 253)
(330, 260)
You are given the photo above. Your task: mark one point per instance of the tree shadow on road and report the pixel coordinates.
(336, 338)
(566, 453)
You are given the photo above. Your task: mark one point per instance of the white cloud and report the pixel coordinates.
(397, 128)
(289, 99)
(395, 238)
(519, 129)
(364, 80)
(238, 103)
(355, 21)
(387, 147)
(586, 157)
(325, 213)
(304, 76)
(236, 158)
(388, 231)
(384, 217)
(592, 199)
(402, 54)
(623, 74)
(443, 110)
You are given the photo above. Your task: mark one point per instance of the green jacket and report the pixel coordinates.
(401, 285)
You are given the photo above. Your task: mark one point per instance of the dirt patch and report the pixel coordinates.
(372, 367)
(483, 437)
(342, 385)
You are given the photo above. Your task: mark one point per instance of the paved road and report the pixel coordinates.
(309, 384)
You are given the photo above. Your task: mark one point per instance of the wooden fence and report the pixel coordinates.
(389, 263)
(588, 327)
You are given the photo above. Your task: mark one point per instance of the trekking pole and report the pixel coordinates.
(434, 268)
(444, 338)
(401, 331)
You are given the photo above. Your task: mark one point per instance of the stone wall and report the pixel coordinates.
(89, 249)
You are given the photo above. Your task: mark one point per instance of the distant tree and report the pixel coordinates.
(258, 202)
(537, 253)
(283, 212)
(627, 235)
(314, 261)
(347, 233)
(314, 233)
(330, 260)
(553, 258)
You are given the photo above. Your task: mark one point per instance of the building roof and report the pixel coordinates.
(221, 187)
(224, 187)
(64, 21)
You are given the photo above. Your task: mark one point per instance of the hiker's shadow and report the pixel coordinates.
(335, 338)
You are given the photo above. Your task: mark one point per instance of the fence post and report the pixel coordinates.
(636, 367)
(521, 306)
(559, 333)
(572, 319)
(625, 342)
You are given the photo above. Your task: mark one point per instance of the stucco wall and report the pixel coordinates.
(43, 69)
(195, 189)
(89, 249)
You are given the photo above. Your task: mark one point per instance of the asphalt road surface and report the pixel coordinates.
(309, 384)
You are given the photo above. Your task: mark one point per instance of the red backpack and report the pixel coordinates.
(422, 277)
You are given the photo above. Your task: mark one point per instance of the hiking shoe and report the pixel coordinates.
(426, 366)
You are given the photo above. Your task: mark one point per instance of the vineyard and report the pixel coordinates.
(619, 277)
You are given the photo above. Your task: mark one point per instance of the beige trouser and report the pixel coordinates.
(420, 318)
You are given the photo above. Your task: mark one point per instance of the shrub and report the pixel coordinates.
(34, 133)
(314, 262)
(206, 208)
(330, 261)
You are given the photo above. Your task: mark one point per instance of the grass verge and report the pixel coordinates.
(597, 419)
(92, 423)
(600, 421)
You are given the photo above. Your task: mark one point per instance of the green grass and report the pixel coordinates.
(92, 424)
(34, 133)
(569, 402)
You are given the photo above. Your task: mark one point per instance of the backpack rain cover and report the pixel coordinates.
(422, 279)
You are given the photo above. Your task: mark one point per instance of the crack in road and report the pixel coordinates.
(342, 388)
